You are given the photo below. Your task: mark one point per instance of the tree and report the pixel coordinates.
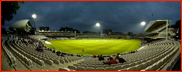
(8, 8)
(3, 30)
(177, 25)
(130, 34)
(77, 31)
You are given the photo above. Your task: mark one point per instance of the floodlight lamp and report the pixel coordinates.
(97, 24)
(34, 16)
(143, 23)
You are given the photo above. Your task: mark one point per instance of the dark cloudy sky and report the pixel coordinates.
(118, 16)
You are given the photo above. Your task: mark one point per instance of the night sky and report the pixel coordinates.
(117, 16)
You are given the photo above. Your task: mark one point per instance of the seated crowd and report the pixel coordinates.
(111, 60)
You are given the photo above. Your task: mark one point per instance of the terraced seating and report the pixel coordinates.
(29, 56)
(152, 57)
(21, 56)
(10, 56)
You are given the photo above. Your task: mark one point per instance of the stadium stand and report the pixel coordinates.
(30, 57)
(159, 29)
(19, 53)
(154, 57)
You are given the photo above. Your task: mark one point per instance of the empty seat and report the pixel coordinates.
(62, 61)
(145, 64)
(40, 62)
(64, 69)
(72, 67)
(96, 66)
(50, 62)
(108, 69)
(125, 69)
(83, 65)
(99, 69)
(125, 66)
(80, 68)
(90, 69)
(56, 62)
(116, 68)
(131, 68)
(76, 64)
(113, 65)
(91, 66)
(138, 67)
(153, 67)
(132, 64)
(104, 66)
(66, 60)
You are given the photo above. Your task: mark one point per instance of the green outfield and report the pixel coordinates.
(95, 46)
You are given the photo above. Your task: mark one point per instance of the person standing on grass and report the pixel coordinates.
(82, 50)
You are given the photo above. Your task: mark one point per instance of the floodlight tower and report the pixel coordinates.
(98, 25)
(143, 24)
(34, 16)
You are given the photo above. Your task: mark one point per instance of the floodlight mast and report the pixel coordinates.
(143, 24)
(98, 25)
(34, 16)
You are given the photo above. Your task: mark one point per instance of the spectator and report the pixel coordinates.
(101, 58)
(53, 51)
(136, 51)
(93, 56)
(117, 56)
(62, 54)
(109, 57)
(111, 61)
(98, 56)
(26, 44)
(121, 60)
(78, 55)
(71, 54)
(58, 53)
(41, 49)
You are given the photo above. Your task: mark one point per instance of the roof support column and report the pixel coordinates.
(167, 29)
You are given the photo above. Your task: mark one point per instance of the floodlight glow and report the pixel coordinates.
(48, 42)
(34, 15)
(143, 23)
(97, 24)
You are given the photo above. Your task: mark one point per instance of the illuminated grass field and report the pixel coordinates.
(95, 46)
